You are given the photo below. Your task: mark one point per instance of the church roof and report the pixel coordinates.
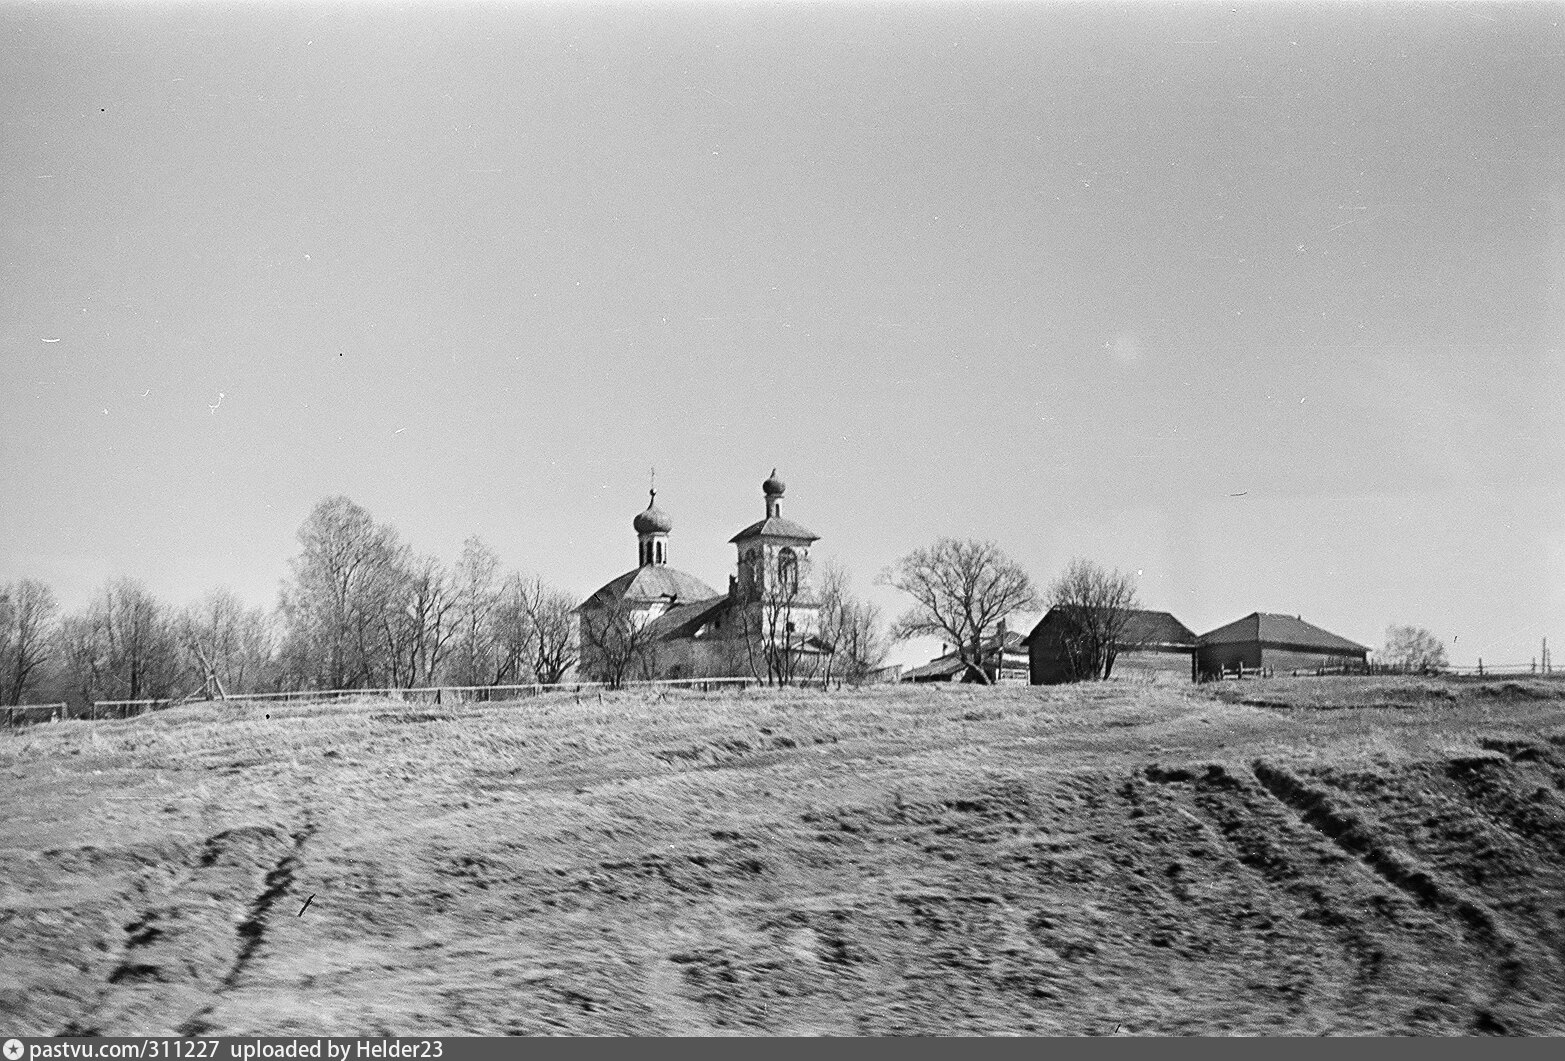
(652, 582)
(683, 620)
(775, 527)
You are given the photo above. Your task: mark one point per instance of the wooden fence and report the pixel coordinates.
(1482, 670)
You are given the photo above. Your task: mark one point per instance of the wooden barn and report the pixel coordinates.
(1154, 647)
(1264, 643)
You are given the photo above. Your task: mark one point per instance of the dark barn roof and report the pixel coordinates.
(1141, 628)
(1156, 628)
(1282, 631)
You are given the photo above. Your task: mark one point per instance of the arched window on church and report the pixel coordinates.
(659, 548)
(787, 571)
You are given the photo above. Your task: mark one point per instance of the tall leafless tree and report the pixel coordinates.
(551, 622)
(511, 635)
(344, 578)
(418, 621)
(478, 590)
(227, 645)
(617, 644)
(961, 590)
(851, 626)
(122, 646)
(1095, 605)
(28, 612)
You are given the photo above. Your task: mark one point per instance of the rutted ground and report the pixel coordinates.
(1091, 860)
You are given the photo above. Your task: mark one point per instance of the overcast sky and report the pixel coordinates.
(1265, 303)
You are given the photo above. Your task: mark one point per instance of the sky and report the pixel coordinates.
(1264, 303)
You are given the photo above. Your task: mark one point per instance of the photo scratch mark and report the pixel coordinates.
(213, 408)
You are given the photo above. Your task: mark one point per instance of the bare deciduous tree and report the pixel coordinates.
(616, 644)
(1412, 648)
(228, 646)
(1095, 604)
(123, 645)
(344, 579)
(852, 627)
(961, 590)
(417, 620)
(551, 624)
(478, 595)
(511, 634)
(534, 630)
(27, 616)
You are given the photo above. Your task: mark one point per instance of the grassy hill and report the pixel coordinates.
(1284, 856)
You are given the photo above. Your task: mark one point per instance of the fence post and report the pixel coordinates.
(1480, 666)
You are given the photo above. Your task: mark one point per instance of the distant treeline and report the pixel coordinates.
(359, 608)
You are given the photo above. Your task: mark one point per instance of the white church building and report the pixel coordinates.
(768, 619)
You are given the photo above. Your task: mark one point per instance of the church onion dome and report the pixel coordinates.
(652, 520)
(773, 487)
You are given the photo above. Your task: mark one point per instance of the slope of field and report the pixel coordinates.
(1284, 856)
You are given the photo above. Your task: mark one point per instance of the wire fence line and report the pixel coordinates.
(19, 713)
(443, 694)
(1505, 670)
(469, 694)
(487, 693)
(1374, 670)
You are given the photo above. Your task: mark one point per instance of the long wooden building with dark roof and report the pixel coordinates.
(1152, 647)
(1264, 642)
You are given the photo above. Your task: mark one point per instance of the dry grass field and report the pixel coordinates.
(1284, 856)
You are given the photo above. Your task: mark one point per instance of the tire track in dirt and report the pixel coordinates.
(1249, 823)
(172, 948)
(1344, 826)
(252, 930)
(176, 953)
